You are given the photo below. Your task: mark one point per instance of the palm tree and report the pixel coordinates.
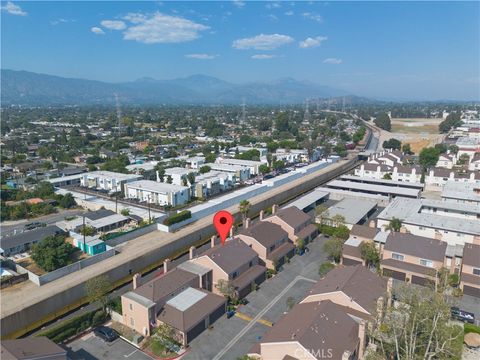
(394, 225)
(244, 209)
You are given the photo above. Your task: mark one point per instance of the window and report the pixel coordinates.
(250, 264)
(421, 228)
(425, 262)
(234, 275)
(476, 271)
(130, 306)
(396, 256)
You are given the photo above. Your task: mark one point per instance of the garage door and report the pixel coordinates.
(472, 291)
(350, 262)
(394, 274)
(216, 314)
(195, 331)
(421, 281)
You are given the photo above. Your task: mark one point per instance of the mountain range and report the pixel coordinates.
(28, 88)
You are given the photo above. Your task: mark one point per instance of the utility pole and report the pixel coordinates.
(149, 217)
(84, 236)
(116, 202)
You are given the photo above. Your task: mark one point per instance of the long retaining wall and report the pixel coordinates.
(34, 316)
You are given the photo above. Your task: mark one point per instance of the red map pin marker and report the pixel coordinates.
(223, 222)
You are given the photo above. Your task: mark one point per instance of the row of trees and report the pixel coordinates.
(383, 121)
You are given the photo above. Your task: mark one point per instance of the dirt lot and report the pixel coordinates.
(418, 132)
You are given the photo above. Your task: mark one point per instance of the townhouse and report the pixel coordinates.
(107, 180)
(234, 262)
(464, 193)
(294, 221)
(411, 258)
(157, 193)
(177, 298)
(213, 183)
(454, 223)
(269, 241)
(240, 173)
(351, 249)
(252, 165)
(470, 270)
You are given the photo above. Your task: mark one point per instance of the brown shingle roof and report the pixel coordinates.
(418, 246)
(231, 255)
(249, 276)
(293, 216)
(406, 266)
(471, 255)
(266, 233)
(357, 282)
(165, 284)
(363, 231)
(315, 325)
(31, 348)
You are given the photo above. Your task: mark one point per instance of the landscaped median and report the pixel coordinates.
(176, 221)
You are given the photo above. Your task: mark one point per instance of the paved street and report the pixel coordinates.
(90, 347)
(234, 337)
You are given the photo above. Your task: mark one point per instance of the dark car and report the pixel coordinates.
(34, 225)
(230, 314)
(106, 333)
(462, 315)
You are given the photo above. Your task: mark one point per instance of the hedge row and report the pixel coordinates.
(74, 326)
(179, 217)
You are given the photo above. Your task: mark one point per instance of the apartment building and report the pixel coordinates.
(454, 223)
(234, 262)
(107, 180)
(252, 165)
(411, 258)
(240, 173)
(269, 241)
(213, 183)
(470, 271)
(157, 193)
(464, 193)
(178, 175)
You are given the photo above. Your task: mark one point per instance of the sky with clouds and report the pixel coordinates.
(407, 50)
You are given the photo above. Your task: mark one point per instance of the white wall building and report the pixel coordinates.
(252, 165)
(212, 183)
(241, 173)
(107, 180)
(157, 193)
(178, 175)
(195, 162)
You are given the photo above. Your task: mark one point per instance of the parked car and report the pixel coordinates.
(34, 225)
(462, 315)
(106, 333)
(230, 314)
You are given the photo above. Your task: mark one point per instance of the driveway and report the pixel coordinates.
(234, 337)
(91, 347)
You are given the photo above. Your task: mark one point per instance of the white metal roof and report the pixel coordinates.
(186, 299)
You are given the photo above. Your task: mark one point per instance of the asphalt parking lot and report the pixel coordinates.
(234, 337)
(91, 347)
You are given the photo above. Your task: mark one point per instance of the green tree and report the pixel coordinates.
(442, 148)
(392, 144)
(407, 150)
(342, 232)
(161, 172)
(321, 213)
(226, 288)
(369, 253)
(87, 230)
(205, 169)
(463, 159)
(428, 157)
(97, 289)
(67, 201)
(300, 244)
(52, 253)
(338, 220)
(453, 149)
(324, 268)
(125, 211)
(383, 121)
(264, 169)
(394, 225)
(387, 176)
(244, 209)
(333, 248)
(169, 179)
(191, 178)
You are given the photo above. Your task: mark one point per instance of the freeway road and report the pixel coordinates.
(25, 305)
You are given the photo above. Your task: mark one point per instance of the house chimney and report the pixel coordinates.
(403, 230)
(231, 232)
(212, 241)
(362, 337)
(247, 223)
(372, 223)
(191, 252)
(165, 265)
(274, 209)
(136, 280)
(346, 355)
(262, 215)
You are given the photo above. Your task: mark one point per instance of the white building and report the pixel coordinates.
(474, 162)
(465, 193)
(212, 183)
(107, 180)
(178, 174)
(468, 145)
(451, 222)
(195, 162)
(252, 165)
(157, 192)
(446, 161)
(241, 173)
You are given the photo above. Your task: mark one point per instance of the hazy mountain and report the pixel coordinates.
(28, 88)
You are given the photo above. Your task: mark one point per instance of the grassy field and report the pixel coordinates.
(416, 125)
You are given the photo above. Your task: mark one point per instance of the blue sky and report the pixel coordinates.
(407, 50)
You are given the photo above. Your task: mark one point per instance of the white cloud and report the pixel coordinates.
(113, 24)
(239, 3)
(313, 16)
(13, 9)
(97, 30)
(263, 56)
(58, 21)
(201, 56)
(273, 5)
(159, 28)
(334, 61)
(272, 17)
(312, 42)
(289, 13)
(262, 42)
